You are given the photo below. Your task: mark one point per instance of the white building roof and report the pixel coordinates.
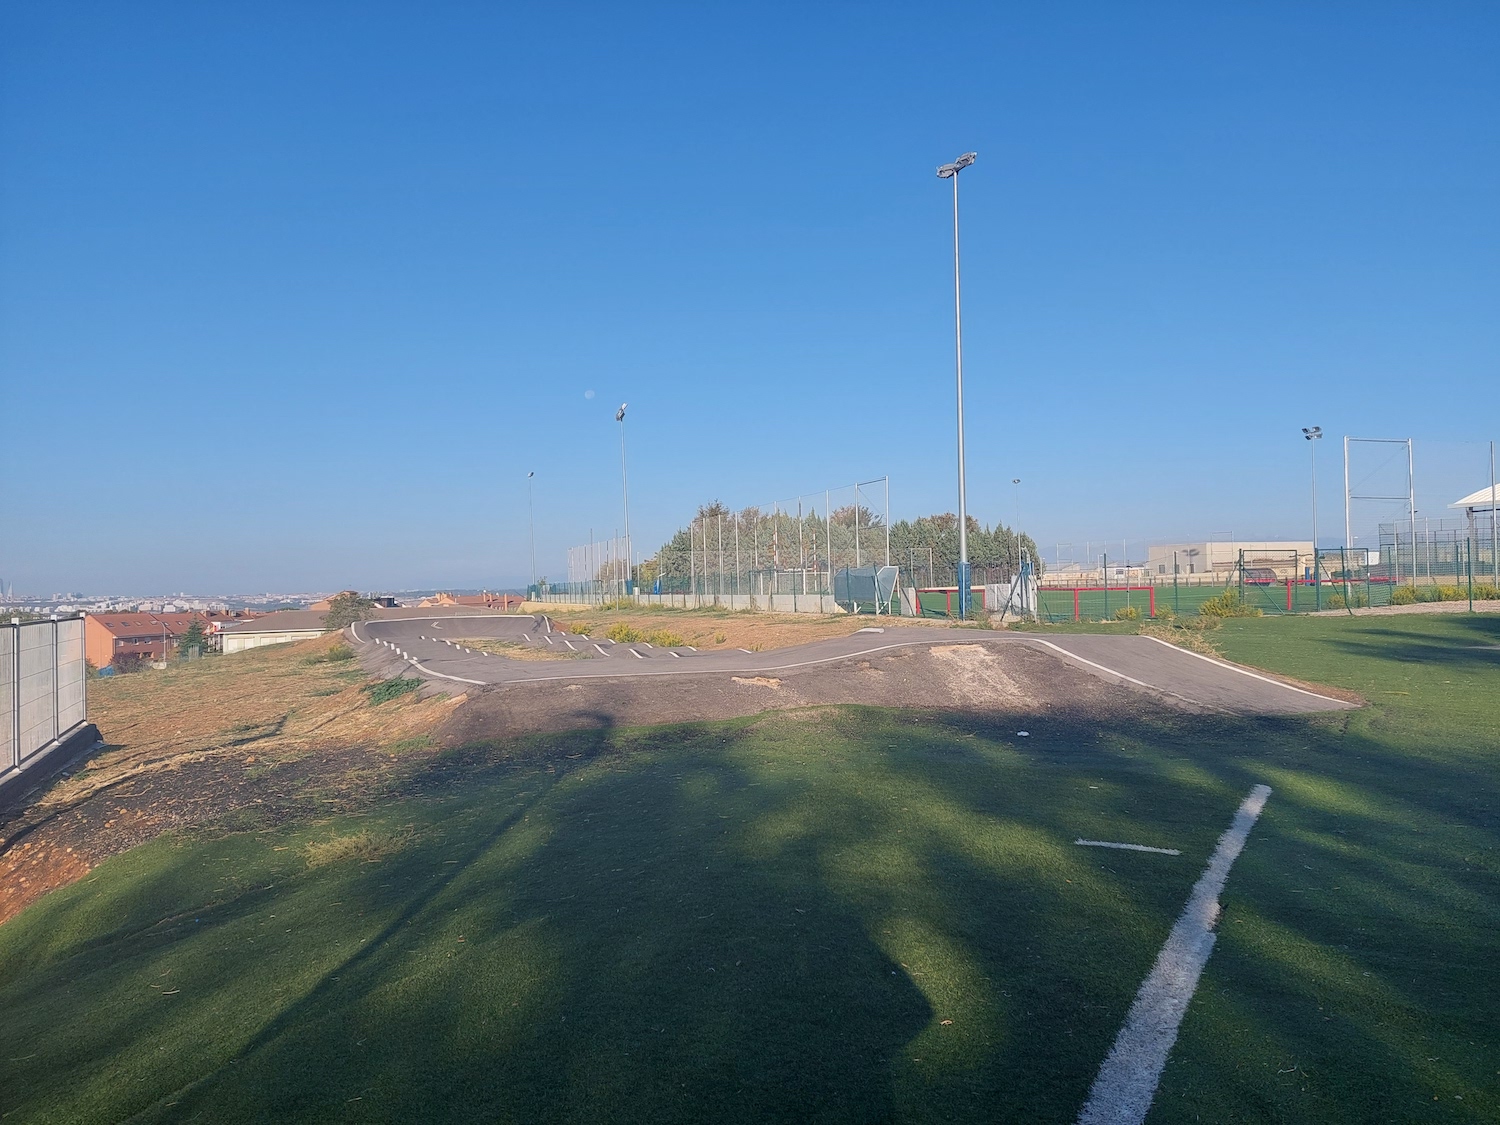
(1480, 500)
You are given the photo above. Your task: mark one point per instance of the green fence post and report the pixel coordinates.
(1469, 555)
(1344, 560)
(1317, 582)
(1104, 570)
(1176, 603)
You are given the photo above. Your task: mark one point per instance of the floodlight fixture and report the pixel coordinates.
(948, 171)
(1312, 433)
(620, 413)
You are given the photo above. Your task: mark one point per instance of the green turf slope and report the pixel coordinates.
(857, 916)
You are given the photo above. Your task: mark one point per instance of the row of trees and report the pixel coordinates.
(719, 545)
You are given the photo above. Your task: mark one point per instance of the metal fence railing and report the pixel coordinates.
(43, 687)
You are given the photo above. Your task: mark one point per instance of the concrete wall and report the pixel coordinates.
(239, 642)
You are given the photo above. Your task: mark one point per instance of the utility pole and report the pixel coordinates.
(531, 519)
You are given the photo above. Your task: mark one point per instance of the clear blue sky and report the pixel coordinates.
(293, 296)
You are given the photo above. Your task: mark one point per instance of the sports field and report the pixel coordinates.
(841, 915)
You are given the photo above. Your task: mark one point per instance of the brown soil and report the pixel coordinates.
(269, 730)
(964, 676)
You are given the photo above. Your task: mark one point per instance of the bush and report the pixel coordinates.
(1335, 601)
(1127, 613)
(581, 629)
(1404, 595)
(663, 638)
(1227, 604)
(1164, 614)
(386, 690)
(622, 633)
(346, 609)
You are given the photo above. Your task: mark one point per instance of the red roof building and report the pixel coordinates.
(127, 638)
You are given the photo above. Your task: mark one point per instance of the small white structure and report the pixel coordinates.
(272, 629)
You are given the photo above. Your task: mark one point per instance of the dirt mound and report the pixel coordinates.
(973, 677)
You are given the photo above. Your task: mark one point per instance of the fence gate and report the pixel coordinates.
(1275, 581)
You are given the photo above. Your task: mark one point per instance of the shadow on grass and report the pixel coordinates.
(849, 915)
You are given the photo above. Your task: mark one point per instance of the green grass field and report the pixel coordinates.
(855, 915)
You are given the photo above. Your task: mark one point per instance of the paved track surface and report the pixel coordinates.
(428, 646)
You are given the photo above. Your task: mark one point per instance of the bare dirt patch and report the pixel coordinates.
(269, 734)
(979, 678)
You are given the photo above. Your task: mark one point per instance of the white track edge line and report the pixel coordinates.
(1247, 672)
(1121, 675)
(1126, 1083)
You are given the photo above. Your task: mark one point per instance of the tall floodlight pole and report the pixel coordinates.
(531, 520)
(1016, 530)
(1313, 434)
(950, 172)
(625, 488)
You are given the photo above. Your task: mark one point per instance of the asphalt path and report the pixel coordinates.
(428, 646)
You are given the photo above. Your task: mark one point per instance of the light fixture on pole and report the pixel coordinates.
(531, 521)
(950, 172)
(1312, 434)
(625, 489)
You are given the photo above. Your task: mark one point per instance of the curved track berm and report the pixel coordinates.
(594, 682)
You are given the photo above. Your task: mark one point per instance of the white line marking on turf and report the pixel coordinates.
(1126, 1083)
(1126, 847)
(1246, 671)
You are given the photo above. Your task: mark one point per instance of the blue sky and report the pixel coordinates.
(293, 296)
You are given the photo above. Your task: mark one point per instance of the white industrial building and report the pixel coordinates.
(1288, 558)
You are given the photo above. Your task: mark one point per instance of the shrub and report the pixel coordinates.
(581, 629)
(1165, 615)
(346, 609)
(720, 638)
(384, 691)
(1127, 613)
(1335, 601)
(622, 633)
(1404, 595)
(663, 638)
(1227, 604)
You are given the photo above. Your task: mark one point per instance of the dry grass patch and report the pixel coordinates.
(514, 650)
(719, 628)
(364, 846)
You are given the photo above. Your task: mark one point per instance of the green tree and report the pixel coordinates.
(346, 609)
(192, 636)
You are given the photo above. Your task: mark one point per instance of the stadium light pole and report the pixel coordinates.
(1312, 434)
(950, 172)
(625, 488)
(531, 521)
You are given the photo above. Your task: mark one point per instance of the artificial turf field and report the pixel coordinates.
(846, 915)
